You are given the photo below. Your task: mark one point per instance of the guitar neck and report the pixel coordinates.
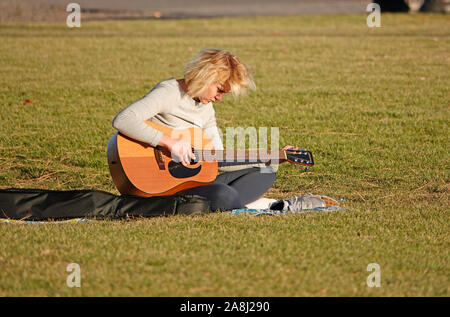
(240, 157)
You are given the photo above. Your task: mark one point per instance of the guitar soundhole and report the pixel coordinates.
(178, 170)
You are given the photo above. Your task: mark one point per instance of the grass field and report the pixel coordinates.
(371, 104)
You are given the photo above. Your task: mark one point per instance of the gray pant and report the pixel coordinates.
(232, 190)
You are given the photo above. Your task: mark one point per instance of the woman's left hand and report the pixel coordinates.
(290, 147)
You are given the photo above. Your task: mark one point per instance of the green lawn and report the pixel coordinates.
(371, 104)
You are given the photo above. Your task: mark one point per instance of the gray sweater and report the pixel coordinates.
(168, 105)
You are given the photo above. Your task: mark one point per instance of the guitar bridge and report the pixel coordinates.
(159, 159)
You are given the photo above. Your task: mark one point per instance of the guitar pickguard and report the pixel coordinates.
(178, 170)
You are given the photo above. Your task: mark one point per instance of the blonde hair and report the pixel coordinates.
(211, 66)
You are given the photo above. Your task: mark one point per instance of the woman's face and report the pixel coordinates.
(212, 93)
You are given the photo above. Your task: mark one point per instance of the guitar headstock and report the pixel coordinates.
(301, 157)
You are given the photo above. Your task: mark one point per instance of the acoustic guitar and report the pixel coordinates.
(142, 170)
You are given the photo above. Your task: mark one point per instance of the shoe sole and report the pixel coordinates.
(329, 201)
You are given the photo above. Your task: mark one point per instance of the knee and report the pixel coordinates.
(266, 174)
(225, 197)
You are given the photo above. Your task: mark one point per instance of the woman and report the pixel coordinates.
(187, 102)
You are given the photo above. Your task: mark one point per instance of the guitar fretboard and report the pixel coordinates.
(240, 157)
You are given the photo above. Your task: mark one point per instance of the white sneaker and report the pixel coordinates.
(261, 203)
(304, 202)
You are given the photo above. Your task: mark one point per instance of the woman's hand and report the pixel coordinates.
(180, 150)
(290, 147)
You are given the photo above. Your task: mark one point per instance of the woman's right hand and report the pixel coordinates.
(180, 150)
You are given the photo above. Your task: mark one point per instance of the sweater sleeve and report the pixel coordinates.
(131, 120)
(212, 130)
(214, 134)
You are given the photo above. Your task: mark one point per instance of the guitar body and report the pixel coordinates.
(142, 170)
